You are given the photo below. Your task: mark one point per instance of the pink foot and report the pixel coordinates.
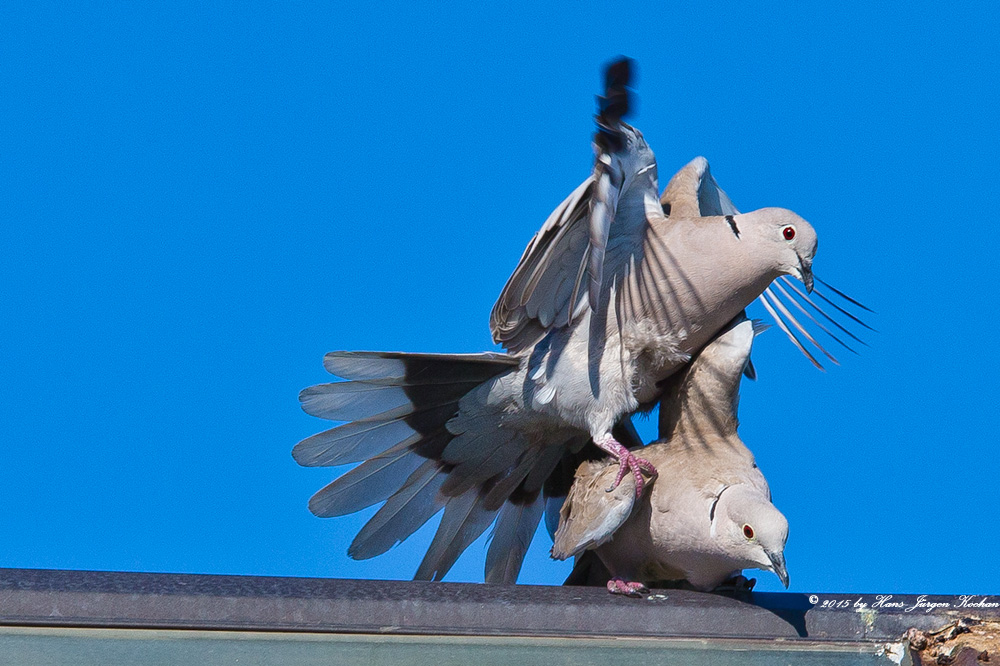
(629, 589)
(626, 461)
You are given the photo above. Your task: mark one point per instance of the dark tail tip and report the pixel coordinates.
(615, 103)
(617, 79)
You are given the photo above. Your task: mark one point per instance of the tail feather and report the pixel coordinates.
(418, 458)
(475, 445)
(352, 442)
(359, 401)
(368, 483)
(547, 461)
(510, 540)
(463, 522)
(403, 514)
(360, 440)
(406, 369)
(505, 486)
(493, 454)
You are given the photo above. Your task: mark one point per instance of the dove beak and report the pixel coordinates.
(778, 566)
(806, 275)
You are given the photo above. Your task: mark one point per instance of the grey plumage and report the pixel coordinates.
(369, 483)
(420, 456)
(708, 514)
(511, 537)
(485, 435)
(464, 520)
(416, 501)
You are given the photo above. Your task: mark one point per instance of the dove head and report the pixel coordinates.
(752, 532)
(786, 237)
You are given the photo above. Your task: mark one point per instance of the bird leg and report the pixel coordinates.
(626, 461)
(628, 588)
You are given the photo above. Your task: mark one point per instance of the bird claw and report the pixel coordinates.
(628, 588)
(626, 461)
(629, 461)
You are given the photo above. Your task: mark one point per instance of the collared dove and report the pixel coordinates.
(665, 276)
(481, 435)
(708, 514)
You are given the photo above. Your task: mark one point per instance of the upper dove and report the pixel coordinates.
(667, 284)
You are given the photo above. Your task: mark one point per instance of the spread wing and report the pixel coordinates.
(548, 289)
(544, 290)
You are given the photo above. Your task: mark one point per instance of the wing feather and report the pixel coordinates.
(591, 515)
(403, 514)
(463, 522)
(510, 540)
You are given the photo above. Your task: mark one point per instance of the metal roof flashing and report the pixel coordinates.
(329, 614)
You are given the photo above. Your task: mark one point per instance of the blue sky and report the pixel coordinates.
(199, 199)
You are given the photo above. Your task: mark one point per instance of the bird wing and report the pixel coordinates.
(561, 272)
(544, 290)
(693, 192)
(590, 515)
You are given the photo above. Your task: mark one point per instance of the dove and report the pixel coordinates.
(486, 437)
(661, 285)
(708, 515)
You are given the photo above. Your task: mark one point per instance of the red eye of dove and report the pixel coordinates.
(788, 233)
(747, 530)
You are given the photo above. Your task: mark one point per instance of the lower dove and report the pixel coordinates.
(708, 515)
